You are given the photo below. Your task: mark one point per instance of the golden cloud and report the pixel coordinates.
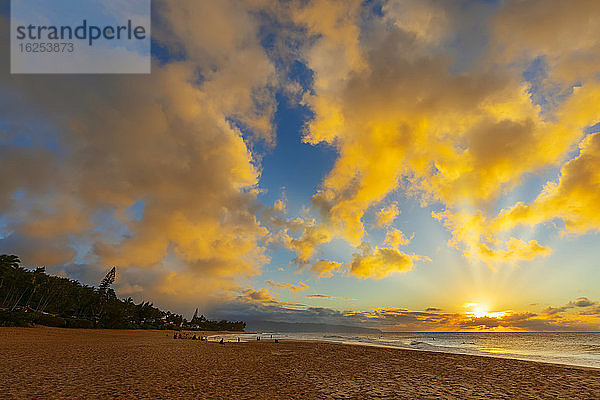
(574, 199)
(397, 110)
(164, 141)
(397, 238)
(390, 95)
(394, 318)
(289, 286)
(387, 215)
(262, 297)
(325, 268)
(380, 262)
(324, 296)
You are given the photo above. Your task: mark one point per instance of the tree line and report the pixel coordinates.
(30, 296)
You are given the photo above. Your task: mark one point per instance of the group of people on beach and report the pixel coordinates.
(184, 335)
(179, 335)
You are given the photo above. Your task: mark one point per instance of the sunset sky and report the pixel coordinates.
(406, 165)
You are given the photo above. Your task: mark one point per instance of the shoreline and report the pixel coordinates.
(554, 360)
(505, 356)
(495, 356)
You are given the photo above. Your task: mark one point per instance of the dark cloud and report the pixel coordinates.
(324, 296)
(580, 302)
(398, 319)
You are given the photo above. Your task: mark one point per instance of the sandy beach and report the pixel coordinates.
(62, 363)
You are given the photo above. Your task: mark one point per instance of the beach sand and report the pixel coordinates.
(47, 363)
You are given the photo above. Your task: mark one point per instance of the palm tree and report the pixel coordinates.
(9, 261)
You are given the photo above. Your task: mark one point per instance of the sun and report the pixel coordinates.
(479, 310)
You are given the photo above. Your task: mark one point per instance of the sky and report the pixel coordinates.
(410, 165)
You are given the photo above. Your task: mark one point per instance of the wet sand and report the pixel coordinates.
(48, 363)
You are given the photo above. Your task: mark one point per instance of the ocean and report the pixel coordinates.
(572, 348)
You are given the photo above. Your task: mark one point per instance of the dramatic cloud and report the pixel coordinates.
(400, 109)
(396, 319)
(575, 198)
(565, 35)
(149, 173)
(465, 109)
(375, 263)
(581, 302)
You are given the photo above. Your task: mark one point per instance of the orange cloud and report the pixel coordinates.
(394, 319)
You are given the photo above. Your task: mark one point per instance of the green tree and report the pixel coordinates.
(109, 279)
(34, 297)
(9, 261)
